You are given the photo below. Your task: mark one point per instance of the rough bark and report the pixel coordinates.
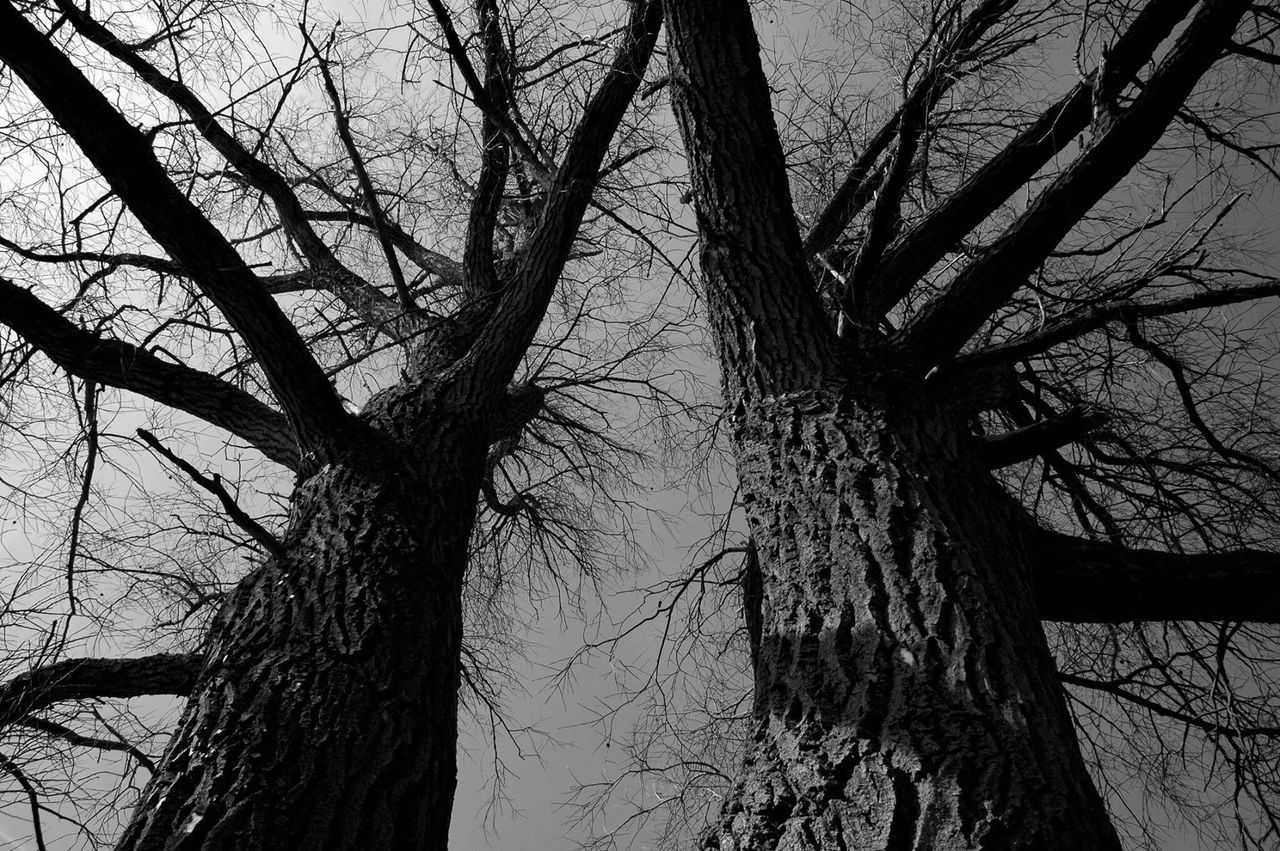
(325, 714)
(772, 336)
(905, 696)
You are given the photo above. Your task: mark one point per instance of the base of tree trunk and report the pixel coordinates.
(325, 716)
(905, 696)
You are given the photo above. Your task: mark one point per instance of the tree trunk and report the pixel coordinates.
(326, 713)
(905, 695)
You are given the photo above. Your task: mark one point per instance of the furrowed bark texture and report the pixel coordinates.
(770, 338)
(325, 715)
(905, 697)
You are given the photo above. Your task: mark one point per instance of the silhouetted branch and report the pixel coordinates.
(119, 364)
(90, 679)
(1082, 580)
(214, 486)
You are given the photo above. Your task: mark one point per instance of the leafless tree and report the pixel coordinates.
(997, 368)
(394, 273)
(998, 362)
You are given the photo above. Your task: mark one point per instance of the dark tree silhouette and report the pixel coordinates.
(935, 387)
(323, 694)
(986, 371)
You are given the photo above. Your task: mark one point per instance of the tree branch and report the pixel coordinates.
(1199, 722)
(433, 262)
(938, 331)
(1091, 318)
(88, 679)
(495, 160)
(119, 364)
(917, 251)
(61, 731)
(1091, 581)
(139, 261)
(92, 445)
(773, 334)
(1248, 52)
(1033, 440)
(886, 214)
(123, 156)
(362, 175)
(480, 95)
(214, 486)
(501, 343)
(33, 799)
(1185, 394)
(366, 301)
(924, 96)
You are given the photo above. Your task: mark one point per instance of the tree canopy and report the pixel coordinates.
(987, 283)
(1039, 273)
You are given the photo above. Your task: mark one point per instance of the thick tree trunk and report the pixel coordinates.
(325, 716)
(905, 696)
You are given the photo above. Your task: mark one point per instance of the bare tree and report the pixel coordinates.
(257, 245)
(996, 369)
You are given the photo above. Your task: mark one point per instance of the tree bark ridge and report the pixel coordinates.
(325, 716)
(769, 325)
(905, 696)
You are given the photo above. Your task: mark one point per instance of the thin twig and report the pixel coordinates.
(362, 174)
(12, 769)
(86, 487)
(214, 486)
(70, 736)
(458, 52)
